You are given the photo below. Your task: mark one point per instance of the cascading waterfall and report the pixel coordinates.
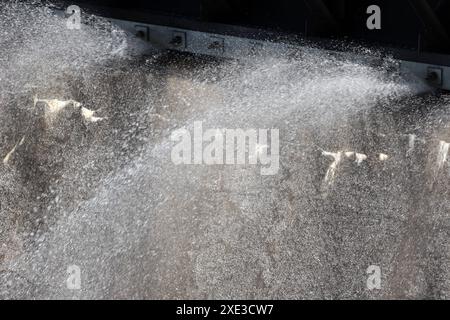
(87, 178)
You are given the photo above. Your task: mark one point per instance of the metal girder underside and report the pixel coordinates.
(219, 45)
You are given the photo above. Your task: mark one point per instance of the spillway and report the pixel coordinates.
(87, 178)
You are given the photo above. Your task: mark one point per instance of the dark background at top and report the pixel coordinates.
(402, 25)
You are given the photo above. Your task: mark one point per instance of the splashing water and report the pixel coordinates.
(331, 172)
(442, 154)
(105, 196)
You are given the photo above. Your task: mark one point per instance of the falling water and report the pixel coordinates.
(95, 187)
(331, 172)
(442, 154)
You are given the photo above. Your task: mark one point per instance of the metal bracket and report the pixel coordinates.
(178, 40)
(217, 44)
(435, 76)
(141, 32)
